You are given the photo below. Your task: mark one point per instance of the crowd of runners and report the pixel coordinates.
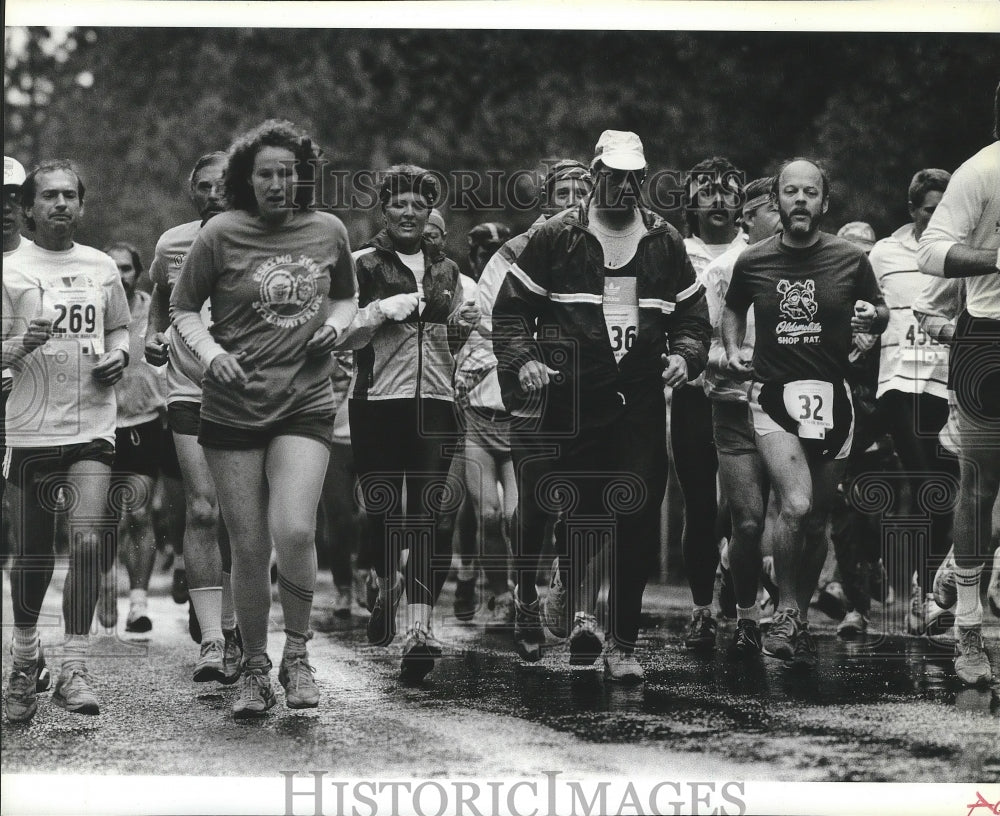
(270, 392)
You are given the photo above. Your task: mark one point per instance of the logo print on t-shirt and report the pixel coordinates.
(289, 295)
(798, 299)
(798, 305)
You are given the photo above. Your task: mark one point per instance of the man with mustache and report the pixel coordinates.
(741, 470)
(962, 240)
(617, 314)
(65, 336)
(809, 291)
(712, 201)
(206, 576)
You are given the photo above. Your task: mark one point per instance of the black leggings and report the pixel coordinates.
(697, 464)
(407, 442)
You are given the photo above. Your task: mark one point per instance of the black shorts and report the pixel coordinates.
(138, 449)
(974, 368)
(184, 417)
(216, 436)
(25, 467)
(489, 430)
(169, 464)
(767, 407)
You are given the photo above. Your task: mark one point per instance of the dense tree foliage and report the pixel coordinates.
(135, 107)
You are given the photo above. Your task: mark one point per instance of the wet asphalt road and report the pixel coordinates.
(888, 712)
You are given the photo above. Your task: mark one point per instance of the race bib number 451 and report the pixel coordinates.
(810, 403)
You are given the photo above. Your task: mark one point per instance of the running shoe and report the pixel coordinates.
(945, 590)
(854, 625)
(21, 701)
(179, 587)
(939, 623)
(528, 634)
(43, 677)
(586, 640)
(138, 620)
(342, 602)
(972, 664)
(296, 678)
(501, 609)
(746, 642)
(256, 695)
(382, 623)
(781, 634)
(465, 599)
(210, 662)
(727, 593)
(621, 666)
(232, 656)
(804, 657)
(555, 604)
(701, 631)
(832, 601)
(194, 628)
(73, 691)
(419, 651)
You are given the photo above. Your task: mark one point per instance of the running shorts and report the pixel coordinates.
(824, 426)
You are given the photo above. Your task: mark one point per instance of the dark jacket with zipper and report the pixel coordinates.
(550, 308)
(413, 358)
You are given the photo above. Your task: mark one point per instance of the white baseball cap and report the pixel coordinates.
(13, 172)
(619, 150)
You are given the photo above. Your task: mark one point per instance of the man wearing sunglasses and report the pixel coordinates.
(599, 311)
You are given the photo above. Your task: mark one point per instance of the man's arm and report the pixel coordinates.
(944, 251)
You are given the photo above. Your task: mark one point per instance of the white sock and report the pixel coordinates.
(748, 612)
(968, 609)
(228, 610)
(25, 644)
(207, 603)
(418, 613)
(138, 597)
(75, 651)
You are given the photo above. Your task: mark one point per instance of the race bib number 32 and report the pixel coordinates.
(810, 403)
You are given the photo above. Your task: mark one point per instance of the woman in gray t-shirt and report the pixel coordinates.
(281, 282)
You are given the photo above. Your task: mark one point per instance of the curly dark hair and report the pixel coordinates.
(408, 178)
(717, 170)
(272, 133)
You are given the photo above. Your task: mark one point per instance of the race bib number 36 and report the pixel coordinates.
(621, 314)
(810, 403)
